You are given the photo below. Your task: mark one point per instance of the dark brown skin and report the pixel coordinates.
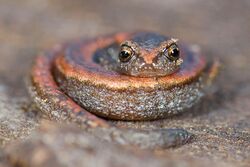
(99, 75)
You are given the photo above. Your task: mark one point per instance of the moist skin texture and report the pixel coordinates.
(86, 76)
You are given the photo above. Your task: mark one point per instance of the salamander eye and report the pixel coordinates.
(125, 54)
(172, 52)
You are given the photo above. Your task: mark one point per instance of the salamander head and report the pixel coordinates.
(149, 55)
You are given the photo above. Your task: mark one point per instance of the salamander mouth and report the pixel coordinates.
(139, 68)
(151, 71)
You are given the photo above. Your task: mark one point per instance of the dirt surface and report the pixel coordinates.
(221, 124)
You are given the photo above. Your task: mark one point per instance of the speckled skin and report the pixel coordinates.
(84, 71)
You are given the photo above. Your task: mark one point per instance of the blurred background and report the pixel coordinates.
(221, 28)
